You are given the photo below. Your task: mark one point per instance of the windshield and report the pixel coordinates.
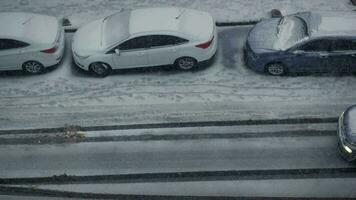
(115, 28)
(290, 31)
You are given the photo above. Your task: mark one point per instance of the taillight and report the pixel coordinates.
(206, 44)
(51, 50)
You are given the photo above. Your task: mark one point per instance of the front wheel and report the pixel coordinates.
(33, 67)
(100, 69)
(276, 69)
(186, 63)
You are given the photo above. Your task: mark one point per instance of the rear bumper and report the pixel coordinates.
(55, 58)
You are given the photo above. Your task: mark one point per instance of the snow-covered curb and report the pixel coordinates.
(82, 11)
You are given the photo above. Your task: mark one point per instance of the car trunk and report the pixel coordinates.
(42, 29)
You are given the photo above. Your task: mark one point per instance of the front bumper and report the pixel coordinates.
(343, 147)
(252, 61)
(77, 61)
(350, 157)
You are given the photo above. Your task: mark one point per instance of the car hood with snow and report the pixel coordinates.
(278, 34)
(88, 39)
(263, 35)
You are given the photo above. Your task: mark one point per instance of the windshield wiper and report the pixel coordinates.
(280, 22)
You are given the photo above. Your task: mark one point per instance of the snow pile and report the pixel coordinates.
(80, 11)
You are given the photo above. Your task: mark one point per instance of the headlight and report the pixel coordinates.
(79, 56)
(347, 149)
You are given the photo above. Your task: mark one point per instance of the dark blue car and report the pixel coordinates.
(347, 134)
(303, 42)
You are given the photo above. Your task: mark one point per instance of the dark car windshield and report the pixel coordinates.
(290, 31)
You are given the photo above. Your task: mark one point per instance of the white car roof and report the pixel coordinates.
(184, 21)
(28, 27)
(333, 24)
(181, 22)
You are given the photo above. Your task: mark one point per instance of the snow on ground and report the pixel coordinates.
(80, 11)
(225, 90)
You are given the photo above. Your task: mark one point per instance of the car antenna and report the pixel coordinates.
(29, 19)
(180, 14)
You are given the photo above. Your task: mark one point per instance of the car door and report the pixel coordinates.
(132, 53)
(11, 54)
(165, 49)
(312, 56)
(341, 55)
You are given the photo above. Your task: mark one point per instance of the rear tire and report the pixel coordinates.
(186, 63)
(276, 69)
(33, 67)
(100, 69)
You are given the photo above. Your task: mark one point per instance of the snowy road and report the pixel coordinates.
(226, 90)
(85, 159)
(288, 150)
(241, 166)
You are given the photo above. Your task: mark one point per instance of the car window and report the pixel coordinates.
(11, 44)
(136, 43)
(316, 46)
(166, 40)
(341, 45)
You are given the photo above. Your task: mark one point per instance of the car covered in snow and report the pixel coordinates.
(303, 42)
(347, 134)
(145, 37)
(30, 42)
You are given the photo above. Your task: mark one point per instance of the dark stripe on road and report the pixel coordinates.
(179, 125)
(189, 176)
(33, 192)
(60, 139)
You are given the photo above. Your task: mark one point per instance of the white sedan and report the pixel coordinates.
(30, 42)
(145, 37)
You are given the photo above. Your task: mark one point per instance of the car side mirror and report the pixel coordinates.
(117, 51)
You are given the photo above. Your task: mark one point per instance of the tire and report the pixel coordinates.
(186, 63)
(100, 69)
(276, 69)
(33, 67)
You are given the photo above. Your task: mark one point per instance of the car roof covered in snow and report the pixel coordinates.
(28, 27)
(184, 21)
(333, 23)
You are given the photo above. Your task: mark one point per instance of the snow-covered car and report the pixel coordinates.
(145, 37)
(347, 134)
(30, 42)
(303, 42)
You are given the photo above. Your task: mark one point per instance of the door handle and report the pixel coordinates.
(141, 54)
(324, 56)
(353, 55)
